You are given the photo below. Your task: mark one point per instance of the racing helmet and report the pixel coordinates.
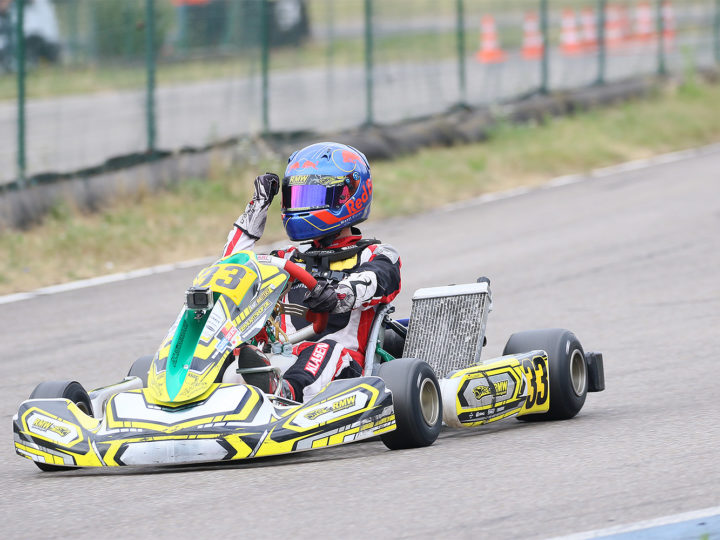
(326, 187)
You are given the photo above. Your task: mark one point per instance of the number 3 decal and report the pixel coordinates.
(537, 378)
(234, 275)
(228, 276)
(532, 384)
(542, 366)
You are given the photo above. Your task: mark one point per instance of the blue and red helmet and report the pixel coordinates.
(327, 187)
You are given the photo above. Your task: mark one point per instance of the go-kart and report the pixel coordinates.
(212, 390)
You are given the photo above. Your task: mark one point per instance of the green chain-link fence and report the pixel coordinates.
(86, 81)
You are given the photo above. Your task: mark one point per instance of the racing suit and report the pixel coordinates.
(363, 274)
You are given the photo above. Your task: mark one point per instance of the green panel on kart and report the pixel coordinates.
(193, 355)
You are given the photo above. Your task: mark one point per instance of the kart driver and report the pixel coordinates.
(326, 190)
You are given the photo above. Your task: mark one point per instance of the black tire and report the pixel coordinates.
(141, 368)
(567, 369)
(71, 390)
(393, 343)
(417, 402)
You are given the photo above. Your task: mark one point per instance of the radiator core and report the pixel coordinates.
(447, 326)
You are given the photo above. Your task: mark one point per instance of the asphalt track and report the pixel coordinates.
(630, 262)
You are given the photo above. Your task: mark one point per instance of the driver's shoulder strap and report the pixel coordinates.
(337, 259)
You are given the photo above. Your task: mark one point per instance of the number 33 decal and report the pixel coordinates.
(537, 378)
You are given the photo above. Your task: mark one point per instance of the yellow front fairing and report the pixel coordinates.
(230, 422)
(194, 352)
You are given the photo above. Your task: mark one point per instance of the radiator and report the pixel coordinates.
(447, 326)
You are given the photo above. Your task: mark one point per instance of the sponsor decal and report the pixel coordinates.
(254, 316)
(305, 165)
(316, 179)
(355, 205)
(265, 292)
(316, 358)
(337, 406)
(51, 428)
(481, 390)
(346, 160)
(229, 331)
(41, 424)
(213, 324)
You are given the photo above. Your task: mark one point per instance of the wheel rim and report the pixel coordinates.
(83, 407)
(578, 372)
(429, 402)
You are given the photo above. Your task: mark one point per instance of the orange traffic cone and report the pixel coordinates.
(532, 38)
(490, 51)
(588, 29)
(624, 22)
(644, 27)
(668, 15)
(569, 40)
(613, 28)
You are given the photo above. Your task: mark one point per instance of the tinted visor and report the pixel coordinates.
(312, 192)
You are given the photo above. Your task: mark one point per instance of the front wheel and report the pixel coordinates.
(70, 390)
(141, 368)
(567, 369)
(417, 403)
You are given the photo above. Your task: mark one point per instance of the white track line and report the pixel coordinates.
(642, 525)
(121, 276)
(483, 199)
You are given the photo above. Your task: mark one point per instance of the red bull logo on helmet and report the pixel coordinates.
(347, 160)
(306, 165)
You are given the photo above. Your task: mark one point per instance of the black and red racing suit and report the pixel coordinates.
(370, 269)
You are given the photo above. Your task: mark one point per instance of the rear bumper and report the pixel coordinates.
(596, 371)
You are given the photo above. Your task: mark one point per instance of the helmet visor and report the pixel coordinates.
(313, 192)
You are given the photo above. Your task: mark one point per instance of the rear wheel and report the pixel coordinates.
(417, 403)
(141, 368)
(70, 390)
(393, 343)
(567, 369)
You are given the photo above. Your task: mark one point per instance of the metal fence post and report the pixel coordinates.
(662, 65)
(461, 51)
(74, 41)
(545, 60)
(368, 63)
(602, 45)
(150, 74)
(265, 63)
(20, 38)
(330, 52)
(717, 31)
(182, 39)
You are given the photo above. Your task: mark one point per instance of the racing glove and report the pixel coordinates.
(252, 221)
(350, 293)
(322, 298)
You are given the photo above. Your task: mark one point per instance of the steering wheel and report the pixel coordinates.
(318, 320)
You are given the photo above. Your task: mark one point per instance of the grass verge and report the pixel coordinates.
(191, 220)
